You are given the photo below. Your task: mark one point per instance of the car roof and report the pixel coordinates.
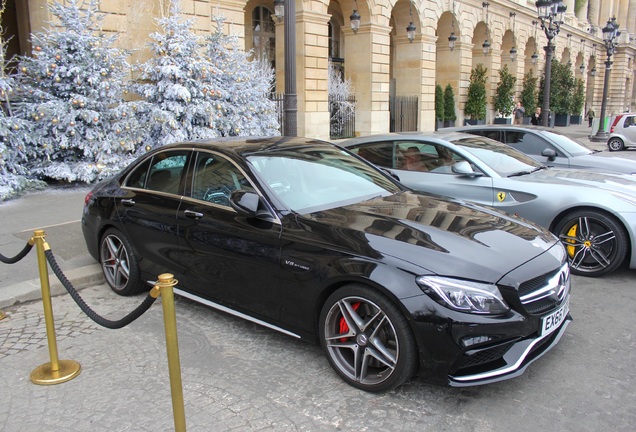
(244, 145)
(504, 126)
(393, 136)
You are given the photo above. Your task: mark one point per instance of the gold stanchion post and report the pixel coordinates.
(164, 287)
(56, 371)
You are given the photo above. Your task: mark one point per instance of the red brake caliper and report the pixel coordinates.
(344, 328)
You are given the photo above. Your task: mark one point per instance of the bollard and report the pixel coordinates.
(163, 287)
(56, 371)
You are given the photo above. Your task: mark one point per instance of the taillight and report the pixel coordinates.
(615, 122)
(88, 197)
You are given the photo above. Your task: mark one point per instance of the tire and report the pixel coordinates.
(615, 144)
(119, 264)
(596, 243)
(366, 339)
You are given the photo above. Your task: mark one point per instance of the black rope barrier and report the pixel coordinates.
(19, 256)
(139, 311)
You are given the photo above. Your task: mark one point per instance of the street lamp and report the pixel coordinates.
(551, 15)
(287, 9)
(610, 36)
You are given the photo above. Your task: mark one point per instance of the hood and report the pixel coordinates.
(625, 183)
(596, 161)
(437, 236)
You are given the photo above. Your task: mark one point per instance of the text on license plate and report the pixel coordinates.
(550, 323)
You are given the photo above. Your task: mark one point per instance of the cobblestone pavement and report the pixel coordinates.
(238, 376)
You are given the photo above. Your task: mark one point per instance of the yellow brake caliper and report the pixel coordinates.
(572, 233)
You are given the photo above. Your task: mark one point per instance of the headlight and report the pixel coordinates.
(464, 296)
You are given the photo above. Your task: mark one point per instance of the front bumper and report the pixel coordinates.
(513, 363)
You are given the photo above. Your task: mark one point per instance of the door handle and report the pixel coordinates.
(193, 215)
(128, 202)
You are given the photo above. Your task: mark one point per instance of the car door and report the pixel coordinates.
(534, 145)
(230, 259)
(439, 177)
(148, 210)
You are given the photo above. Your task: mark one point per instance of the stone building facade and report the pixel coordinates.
(379, 58)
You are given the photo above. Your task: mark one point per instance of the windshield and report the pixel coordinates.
(568, 145)
(312, 178)
(503, 159)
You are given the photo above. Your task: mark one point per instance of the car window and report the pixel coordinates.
(215, 178)
(492, 134)
(567, 144)
(380, 154)
(629, 121)
(425, 157)
(503, 159)
(161, 173)
(319, 178)
(527, 143)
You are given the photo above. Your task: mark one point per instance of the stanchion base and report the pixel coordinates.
(43, 375)
(2, 315)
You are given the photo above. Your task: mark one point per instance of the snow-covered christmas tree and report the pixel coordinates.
(240, 88)
(198, 90)
(172, 84)
(71, 91)
(13, 157)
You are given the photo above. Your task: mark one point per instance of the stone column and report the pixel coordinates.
(312, 66)
(367, 55)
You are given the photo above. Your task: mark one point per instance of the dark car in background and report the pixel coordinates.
(622, 133)
(551, 148)
(305, 238)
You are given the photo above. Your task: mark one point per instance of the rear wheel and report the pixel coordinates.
(119, 264)
(615, 144)
(596, 243)
(366, 339)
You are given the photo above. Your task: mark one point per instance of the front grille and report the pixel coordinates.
(485, 356)
(545, 292)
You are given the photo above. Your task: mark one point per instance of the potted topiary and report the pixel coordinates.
(561, 90)
(439, 107)
(578, 100)
(475, 108)
(529, 95)
(503, 100)
(449, 107)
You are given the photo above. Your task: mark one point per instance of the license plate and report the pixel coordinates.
(550, 323)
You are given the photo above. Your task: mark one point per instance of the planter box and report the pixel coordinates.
(575, 119)
(527, 120)
(473, 122)
(439, 124)
(562, 119)
(449, 123)
(502, 120)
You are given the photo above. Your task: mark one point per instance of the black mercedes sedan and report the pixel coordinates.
(303, 237)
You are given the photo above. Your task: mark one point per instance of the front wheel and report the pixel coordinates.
(119, 264)
(615, 144)
(596, 243)
(366, 339)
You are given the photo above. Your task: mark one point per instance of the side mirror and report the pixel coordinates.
(249, 204)
(464, 168)
(549, 153)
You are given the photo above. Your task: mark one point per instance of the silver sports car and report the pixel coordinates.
(593, 213)
(551, 148)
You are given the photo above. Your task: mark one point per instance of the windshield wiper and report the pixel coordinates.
(522, 173)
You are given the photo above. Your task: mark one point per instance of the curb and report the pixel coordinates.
(28, 291)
